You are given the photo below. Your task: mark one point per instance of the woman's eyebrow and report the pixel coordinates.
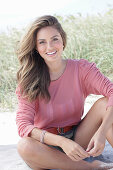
(55, 36)
(40, 39)
(51, 38)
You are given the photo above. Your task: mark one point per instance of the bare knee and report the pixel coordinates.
(23, 146)
(102, 102)
(29, 147)
(101, 106)
(29, 150)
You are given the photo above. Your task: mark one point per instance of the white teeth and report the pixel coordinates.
(51, 53)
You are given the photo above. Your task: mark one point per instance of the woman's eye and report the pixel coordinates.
(55, 39)
(41, 42)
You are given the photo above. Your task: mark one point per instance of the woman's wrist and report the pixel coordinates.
(48, 138)
(102, 131)
(61, 141)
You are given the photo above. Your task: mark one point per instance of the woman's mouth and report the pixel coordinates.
(51, 53)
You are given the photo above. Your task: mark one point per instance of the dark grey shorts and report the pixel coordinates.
(70, 135)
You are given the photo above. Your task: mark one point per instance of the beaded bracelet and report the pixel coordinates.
(42, 136)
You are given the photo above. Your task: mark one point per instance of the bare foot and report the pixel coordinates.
(98, 165)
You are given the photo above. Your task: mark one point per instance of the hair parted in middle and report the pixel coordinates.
(33, 76)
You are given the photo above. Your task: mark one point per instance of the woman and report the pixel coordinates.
(51, 94)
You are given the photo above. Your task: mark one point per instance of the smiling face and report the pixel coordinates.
(49, 44)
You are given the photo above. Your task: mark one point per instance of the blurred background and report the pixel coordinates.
(18, 13)
(88, 24)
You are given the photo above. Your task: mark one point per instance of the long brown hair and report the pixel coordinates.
(33, 76)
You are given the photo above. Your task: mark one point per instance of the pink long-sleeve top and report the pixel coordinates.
(68, 94)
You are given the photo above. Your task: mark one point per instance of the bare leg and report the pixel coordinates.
(91, 123)
(39, 156)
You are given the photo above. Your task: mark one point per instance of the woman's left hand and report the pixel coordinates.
(96, 144)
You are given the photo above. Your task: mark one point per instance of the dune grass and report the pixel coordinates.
(90, 38)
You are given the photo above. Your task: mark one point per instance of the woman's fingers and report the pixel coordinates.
(82, 152)
(96, 151)
(96, 144)
(90, 146)
(79, 153)
(74, 150)
(75, 157)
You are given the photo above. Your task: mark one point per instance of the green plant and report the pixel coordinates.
(90, 38)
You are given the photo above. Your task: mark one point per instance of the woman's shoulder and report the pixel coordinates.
(72, 61)
(82, 65)
(81, 62)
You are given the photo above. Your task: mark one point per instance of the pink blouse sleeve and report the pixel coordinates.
(94, 82)
(25, 115)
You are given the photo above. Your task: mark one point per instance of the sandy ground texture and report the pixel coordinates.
(10, 159)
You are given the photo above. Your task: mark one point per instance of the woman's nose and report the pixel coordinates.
(49, 45)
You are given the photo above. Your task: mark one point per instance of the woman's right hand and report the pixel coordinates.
(73, 150)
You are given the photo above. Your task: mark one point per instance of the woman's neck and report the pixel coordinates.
(56, 69)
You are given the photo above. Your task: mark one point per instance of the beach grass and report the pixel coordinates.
(88, 37)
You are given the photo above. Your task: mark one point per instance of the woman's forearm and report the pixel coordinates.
(49, 138)
(107, 121)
